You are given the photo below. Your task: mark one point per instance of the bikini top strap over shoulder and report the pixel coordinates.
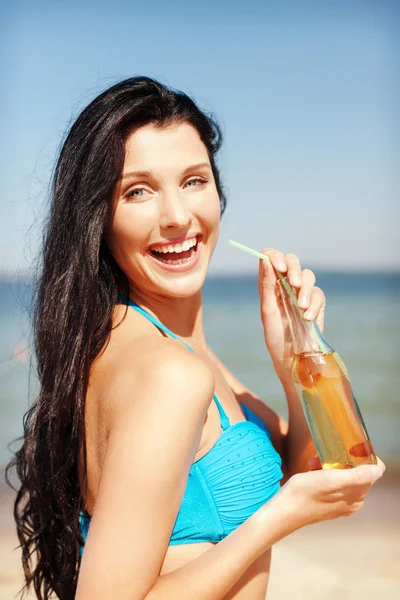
(124, 300)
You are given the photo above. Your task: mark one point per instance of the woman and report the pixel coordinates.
(148, 470)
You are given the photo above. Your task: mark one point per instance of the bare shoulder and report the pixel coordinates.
(160, 368)
(137, 366)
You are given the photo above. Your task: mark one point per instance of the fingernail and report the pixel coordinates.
(376, 472)
(296, 281)
(307, 314)
(303, 301)
(281, 266)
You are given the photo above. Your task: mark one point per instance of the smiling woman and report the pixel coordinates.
(147, 469)
(166, 196)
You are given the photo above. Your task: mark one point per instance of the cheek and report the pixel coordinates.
(128, 232)
(210, 211)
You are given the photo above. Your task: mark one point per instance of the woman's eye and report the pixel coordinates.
(195, 182)
(135, 193)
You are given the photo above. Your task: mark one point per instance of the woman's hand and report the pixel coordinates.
(322, 495)
(310, 298)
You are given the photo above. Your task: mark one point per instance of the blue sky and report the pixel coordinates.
(305, 92)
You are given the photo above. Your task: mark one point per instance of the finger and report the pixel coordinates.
(294, 270)
(361, 476)
(268, 290)
(353, 507)
(317, 302)
(341, 480)
(266, 276)
(357, 493)
(307, 284)
(381, 464)
(277, 259)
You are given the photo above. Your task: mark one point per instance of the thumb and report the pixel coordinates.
(357, 476)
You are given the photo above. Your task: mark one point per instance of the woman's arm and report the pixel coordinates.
(213, 574)
(307, 498)
(154, 406)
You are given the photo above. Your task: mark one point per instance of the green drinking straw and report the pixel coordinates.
(283, 279)
(293, 296)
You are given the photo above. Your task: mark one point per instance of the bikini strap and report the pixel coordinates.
(222, 414)
(150, 318)
(123, 299)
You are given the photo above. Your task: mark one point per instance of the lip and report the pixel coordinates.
(183, 267)
(176, 240)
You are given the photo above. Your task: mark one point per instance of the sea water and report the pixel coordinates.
(361, 319)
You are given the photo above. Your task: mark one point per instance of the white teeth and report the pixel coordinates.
(180, 261)
(186, 245)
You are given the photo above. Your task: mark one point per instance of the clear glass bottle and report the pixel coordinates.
(325, 392)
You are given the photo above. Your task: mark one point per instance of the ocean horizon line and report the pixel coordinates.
(26, 277)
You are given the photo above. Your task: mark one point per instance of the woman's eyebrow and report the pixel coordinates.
(198, 166)
(136, 174)
(150, 174)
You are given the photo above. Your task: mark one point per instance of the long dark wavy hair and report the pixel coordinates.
(73, 301)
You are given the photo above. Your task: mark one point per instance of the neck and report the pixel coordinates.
(183, 316)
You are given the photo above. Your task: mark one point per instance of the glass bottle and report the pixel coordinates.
(323, 386)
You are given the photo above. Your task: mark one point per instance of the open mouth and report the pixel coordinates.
(178, 256)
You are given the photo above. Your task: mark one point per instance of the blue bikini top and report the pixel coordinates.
(240, 473)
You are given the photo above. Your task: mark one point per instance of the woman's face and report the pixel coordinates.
(166, 211)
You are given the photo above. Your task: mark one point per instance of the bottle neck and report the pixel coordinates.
(306, 335)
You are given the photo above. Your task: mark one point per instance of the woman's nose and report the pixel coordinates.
(174, 211)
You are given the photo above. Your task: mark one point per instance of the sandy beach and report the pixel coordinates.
(356, 558)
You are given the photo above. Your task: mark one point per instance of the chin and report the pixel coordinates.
(183, 286)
